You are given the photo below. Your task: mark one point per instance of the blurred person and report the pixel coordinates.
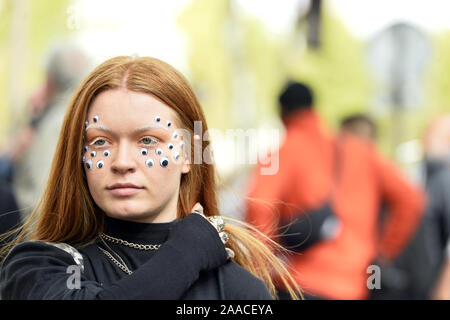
(361, 125)
(319, 170)
(406, 277)
(122, 197)
(436, 146)
(26, 161)
(10, 218)
(436, 237)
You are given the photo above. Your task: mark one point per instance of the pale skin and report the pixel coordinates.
(125, 126)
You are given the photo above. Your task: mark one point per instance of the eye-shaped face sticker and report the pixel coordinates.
(149, 162)
(95, 119)
(100, 164)
(157, 118)
(93, 153)
(164, 162)
(106, 153)
(89, 164)
(170, 145)
(85, 148)
(175, 135)
(176, 156)
(181, 144)
(168, 123)
(144, 151)
(159, 151)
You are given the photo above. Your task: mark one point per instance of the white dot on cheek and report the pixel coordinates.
(89, 164)
(149, 163)
(164, 162)
(100, 164)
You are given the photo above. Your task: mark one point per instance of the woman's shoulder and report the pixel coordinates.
(36, 250)
(241, 284)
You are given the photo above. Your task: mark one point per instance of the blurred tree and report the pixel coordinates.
(40, 22)
(438, 81)
(336, 71)
(209, 57)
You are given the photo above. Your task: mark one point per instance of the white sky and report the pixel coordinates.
(148, 27)
(365, 17)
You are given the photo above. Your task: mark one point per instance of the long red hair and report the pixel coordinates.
(67, 212)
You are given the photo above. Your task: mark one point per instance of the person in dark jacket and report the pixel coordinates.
(118, 217)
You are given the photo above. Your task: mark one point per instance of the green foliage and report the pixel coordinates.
(336, 71)
(209, 57)
(438, 80)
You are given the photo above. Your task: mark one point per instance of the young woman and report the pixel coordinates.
(115, 220)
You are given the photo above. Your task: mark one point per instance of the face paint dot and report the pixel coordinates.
(89, 164)
(100, 164)
(149, 162)
(93, 153)
(157, 118)
(164, 162)
(159, 152)
(144, 151)
(95, 118)
(106, 153)
(170, 146)
(168, 123)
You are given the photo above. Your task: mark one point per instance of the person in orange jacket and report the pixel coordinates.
(315, 167)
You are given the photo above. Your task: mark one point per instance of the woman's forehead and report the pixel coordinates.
(122, 106)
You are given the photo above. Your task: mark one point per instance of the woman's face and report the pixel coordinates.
(133, 156)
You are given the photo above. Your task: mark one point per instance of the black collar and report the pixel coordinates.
(137, 232)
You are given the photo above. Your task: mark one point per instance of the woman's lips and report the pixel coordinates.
(123, 192)
(124, 189)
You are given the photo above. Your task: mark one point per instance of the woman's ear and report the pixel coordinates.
(186, 167)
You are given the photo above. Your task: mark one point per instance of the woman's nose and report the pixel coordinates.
(124, 161)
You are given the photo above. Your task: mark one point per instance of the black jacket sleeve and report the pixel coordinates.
(240, 284)
(38, 270)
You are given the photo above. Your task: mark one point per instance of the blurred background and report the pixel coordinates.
(386, 59)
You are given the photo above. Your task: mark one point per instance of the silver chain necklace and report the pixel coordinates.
(122, 265)
(130, 244)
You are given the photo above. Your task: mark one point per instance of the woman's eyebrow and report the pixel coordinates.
(149, 127)
(99, 127)
(138, 130)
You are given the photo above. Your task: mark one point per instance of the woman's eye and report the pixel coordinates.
(99, 142)
(148, 141)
